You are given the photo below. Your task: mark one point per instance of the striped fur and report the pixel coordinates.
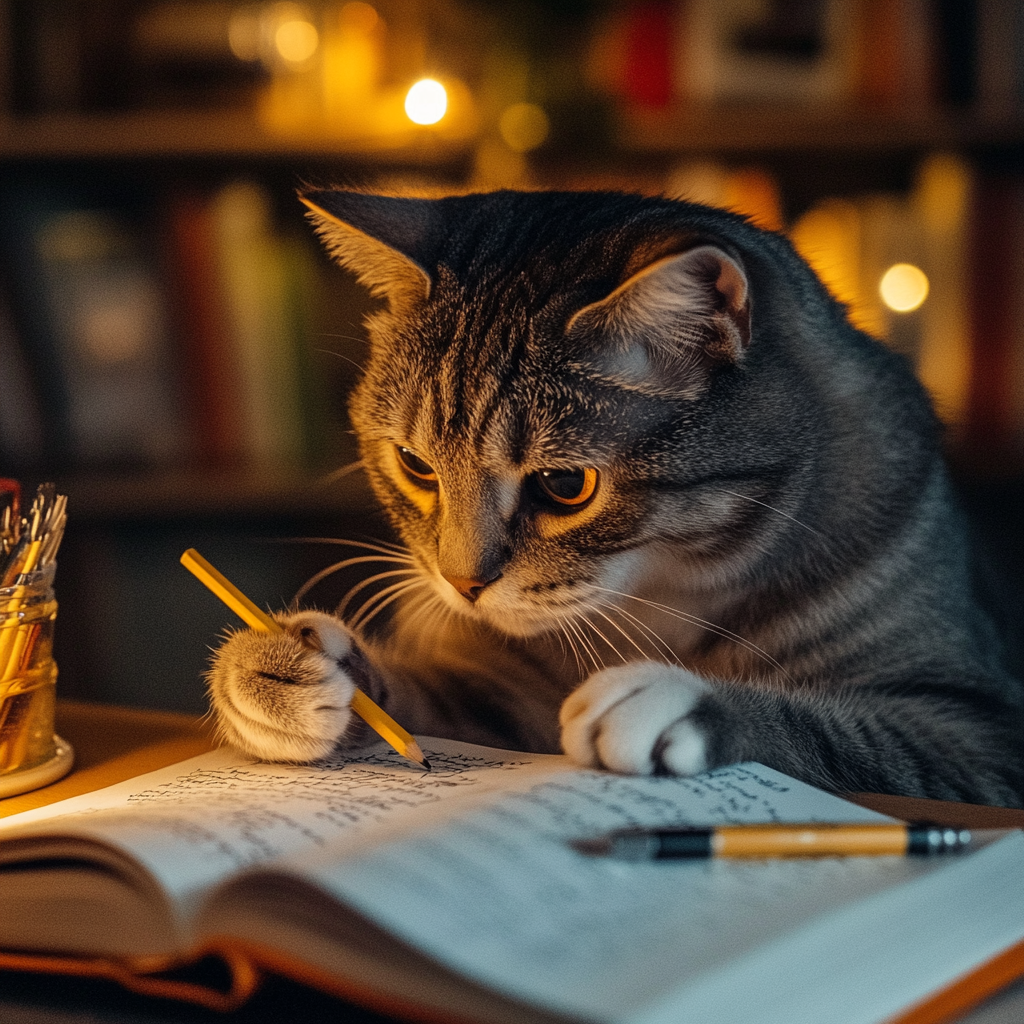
(771, 567)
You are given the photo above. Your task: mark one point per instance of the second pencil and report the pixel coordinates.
(811, 839)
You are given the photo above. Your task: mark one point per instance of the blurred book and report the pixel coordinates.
(21, 421)
(895, 54)
(994, 424)
(1000, 58)
(942, 199)
(88, 295)
(213, 391)
(249, 302)
(799, 53)
(902, 58)
(252, 267)
(47, 73)
(632, 52)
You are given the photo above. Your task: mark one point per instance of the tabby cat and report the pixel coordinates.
(662, 507)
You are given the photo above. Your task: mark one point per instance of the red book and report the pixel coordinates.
(207, 356)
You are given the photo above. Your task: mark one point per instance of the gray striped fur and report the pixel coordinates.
(772, 567)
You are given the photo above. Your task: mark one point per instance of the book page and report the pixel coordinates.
(197, 822)
(495, 890)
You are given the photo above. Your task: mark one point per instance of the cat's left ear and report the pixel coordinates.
(387, 241)
(692, 302)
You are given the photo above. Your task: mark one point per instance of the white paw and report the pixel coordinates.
(284, 696)
(634, 719)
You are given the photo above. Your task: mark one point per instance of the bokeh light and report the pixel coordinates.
(359, 17)
(296, 41)
(903, 287)
(523, 126)
(426, 102)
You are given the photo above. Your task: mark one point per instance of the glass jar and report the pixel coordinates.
(28, 673)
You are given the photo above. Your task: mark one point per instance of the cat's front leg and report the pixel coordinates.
(285, 696)
(637, 719)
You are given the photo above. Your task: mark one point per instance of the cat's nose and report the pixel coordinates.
(470, 589)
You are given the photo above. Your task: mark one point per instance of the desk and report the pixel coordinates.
(114, 744)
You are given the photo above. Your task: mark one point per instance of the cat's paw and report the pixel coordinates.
(284, 696)
(635, 719)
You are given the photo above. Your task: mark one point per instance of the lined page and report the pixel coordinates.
(197, 822)
(496, 891)
(200, 821)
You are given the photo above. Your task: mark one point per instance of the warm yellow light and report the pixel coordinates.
(296, 41)
(426, 102)
(903, 287)
(359, 17)
(244, 34)
(523, 126)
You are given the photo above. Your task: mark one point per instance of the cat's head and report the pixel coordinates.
(533, 411)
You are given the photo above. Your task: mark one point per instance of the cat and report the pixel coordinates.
(662, 508)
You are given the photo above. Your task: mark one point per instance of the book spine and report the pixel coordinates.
(92, 310)
(21, 421)
(995, 426)
(202, 330)
(1000, 59)
(252, 277)
(302, 300)
(942, 201)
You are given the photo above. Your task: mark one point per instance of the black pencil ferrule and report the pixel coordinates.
(676, 843)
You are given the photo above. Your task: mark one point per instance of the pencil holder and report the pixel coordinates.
(30, 754)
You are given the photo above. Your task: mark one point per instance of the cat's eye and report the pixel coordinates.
(567, 487)
(415, 466)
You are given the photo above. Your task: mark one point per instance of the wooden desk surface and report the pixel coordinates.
(113, 744)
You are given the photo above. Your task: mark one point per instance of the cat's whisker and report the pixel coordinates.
(596, 609)
(369, 581)
(370, 602)
(393, 559)
(607, 641)
(386, 595)
(344, 337)
(382, 546)
(563, 624)
(564, 639)
(399, 589)
(764, 504)
(338, 567)
(711, 627)
(434, 613)
(659, 645)
(209, 717)
(339, 355)
(339, 474)
(586, 644)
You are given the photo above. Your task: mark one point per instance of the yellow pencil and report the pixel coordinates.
(14, 642)
(376, 718)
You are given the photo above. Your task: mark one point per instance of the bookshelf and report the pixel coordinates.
(131, 521)
(679, 130)
(231, 135)
(184, 135)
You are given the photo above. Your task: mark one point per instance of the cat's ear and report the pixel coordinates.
(386, 241)
(693, 305)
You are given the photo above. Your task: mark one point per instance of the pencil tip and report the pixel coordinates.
(413, 752)
(598, 847)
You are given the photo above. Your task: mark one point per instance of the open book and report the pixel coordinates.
(457, 895)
